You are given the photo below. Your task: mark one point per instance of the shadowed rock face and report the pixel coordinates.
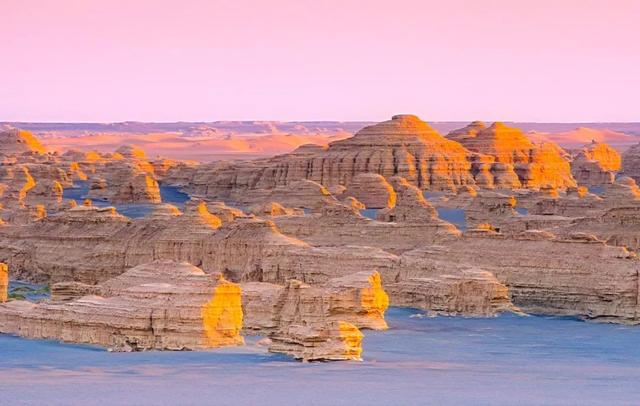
(469, 293)
(573, 275)
(631, 162)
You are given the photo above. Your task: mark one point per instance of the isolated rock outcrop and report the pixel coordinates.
(161, 305)
(335, 341)
(131, 151)
(225, 213)
(410, 206)
(124, 182)
(490, 207)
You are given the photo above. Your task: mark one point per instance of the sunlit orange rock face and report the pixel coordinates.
(4, 282)
(488, 157)
(365, 295)
(222, 316)
(514, 161)
(403, 146)
(596, 164)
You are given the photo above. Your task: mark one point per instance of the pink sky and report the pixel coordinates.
(155, 60)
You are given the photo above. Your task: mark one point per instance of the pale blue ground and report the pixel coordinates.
(452, 215)
(597, 190)
(168, 194)
(508, 360)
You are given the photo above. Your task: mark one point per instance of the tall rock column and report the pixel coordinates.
(4, 282)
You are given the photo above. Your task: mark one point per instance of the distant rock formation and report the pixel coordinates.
(131, 152)
(125, 182)
(488, 157)
(631, 162)
(596, 165)
(462, 135)
(14, 141)
(535, 166)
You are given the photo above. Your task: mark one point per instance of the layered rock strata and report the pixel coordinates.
(372, 190)
(356, 298)
(575, 276)
(469, 293)
(596, 164)
(336, 341)
(161, 305)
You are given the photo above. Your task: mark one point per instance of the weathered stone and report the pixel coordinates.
(336, 341)
(15, 141)
(161, 305)
(372, 190)
(596, 164)
(470, 293)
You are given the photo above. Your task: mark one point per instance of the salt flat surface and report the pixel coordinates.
(505, 360)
